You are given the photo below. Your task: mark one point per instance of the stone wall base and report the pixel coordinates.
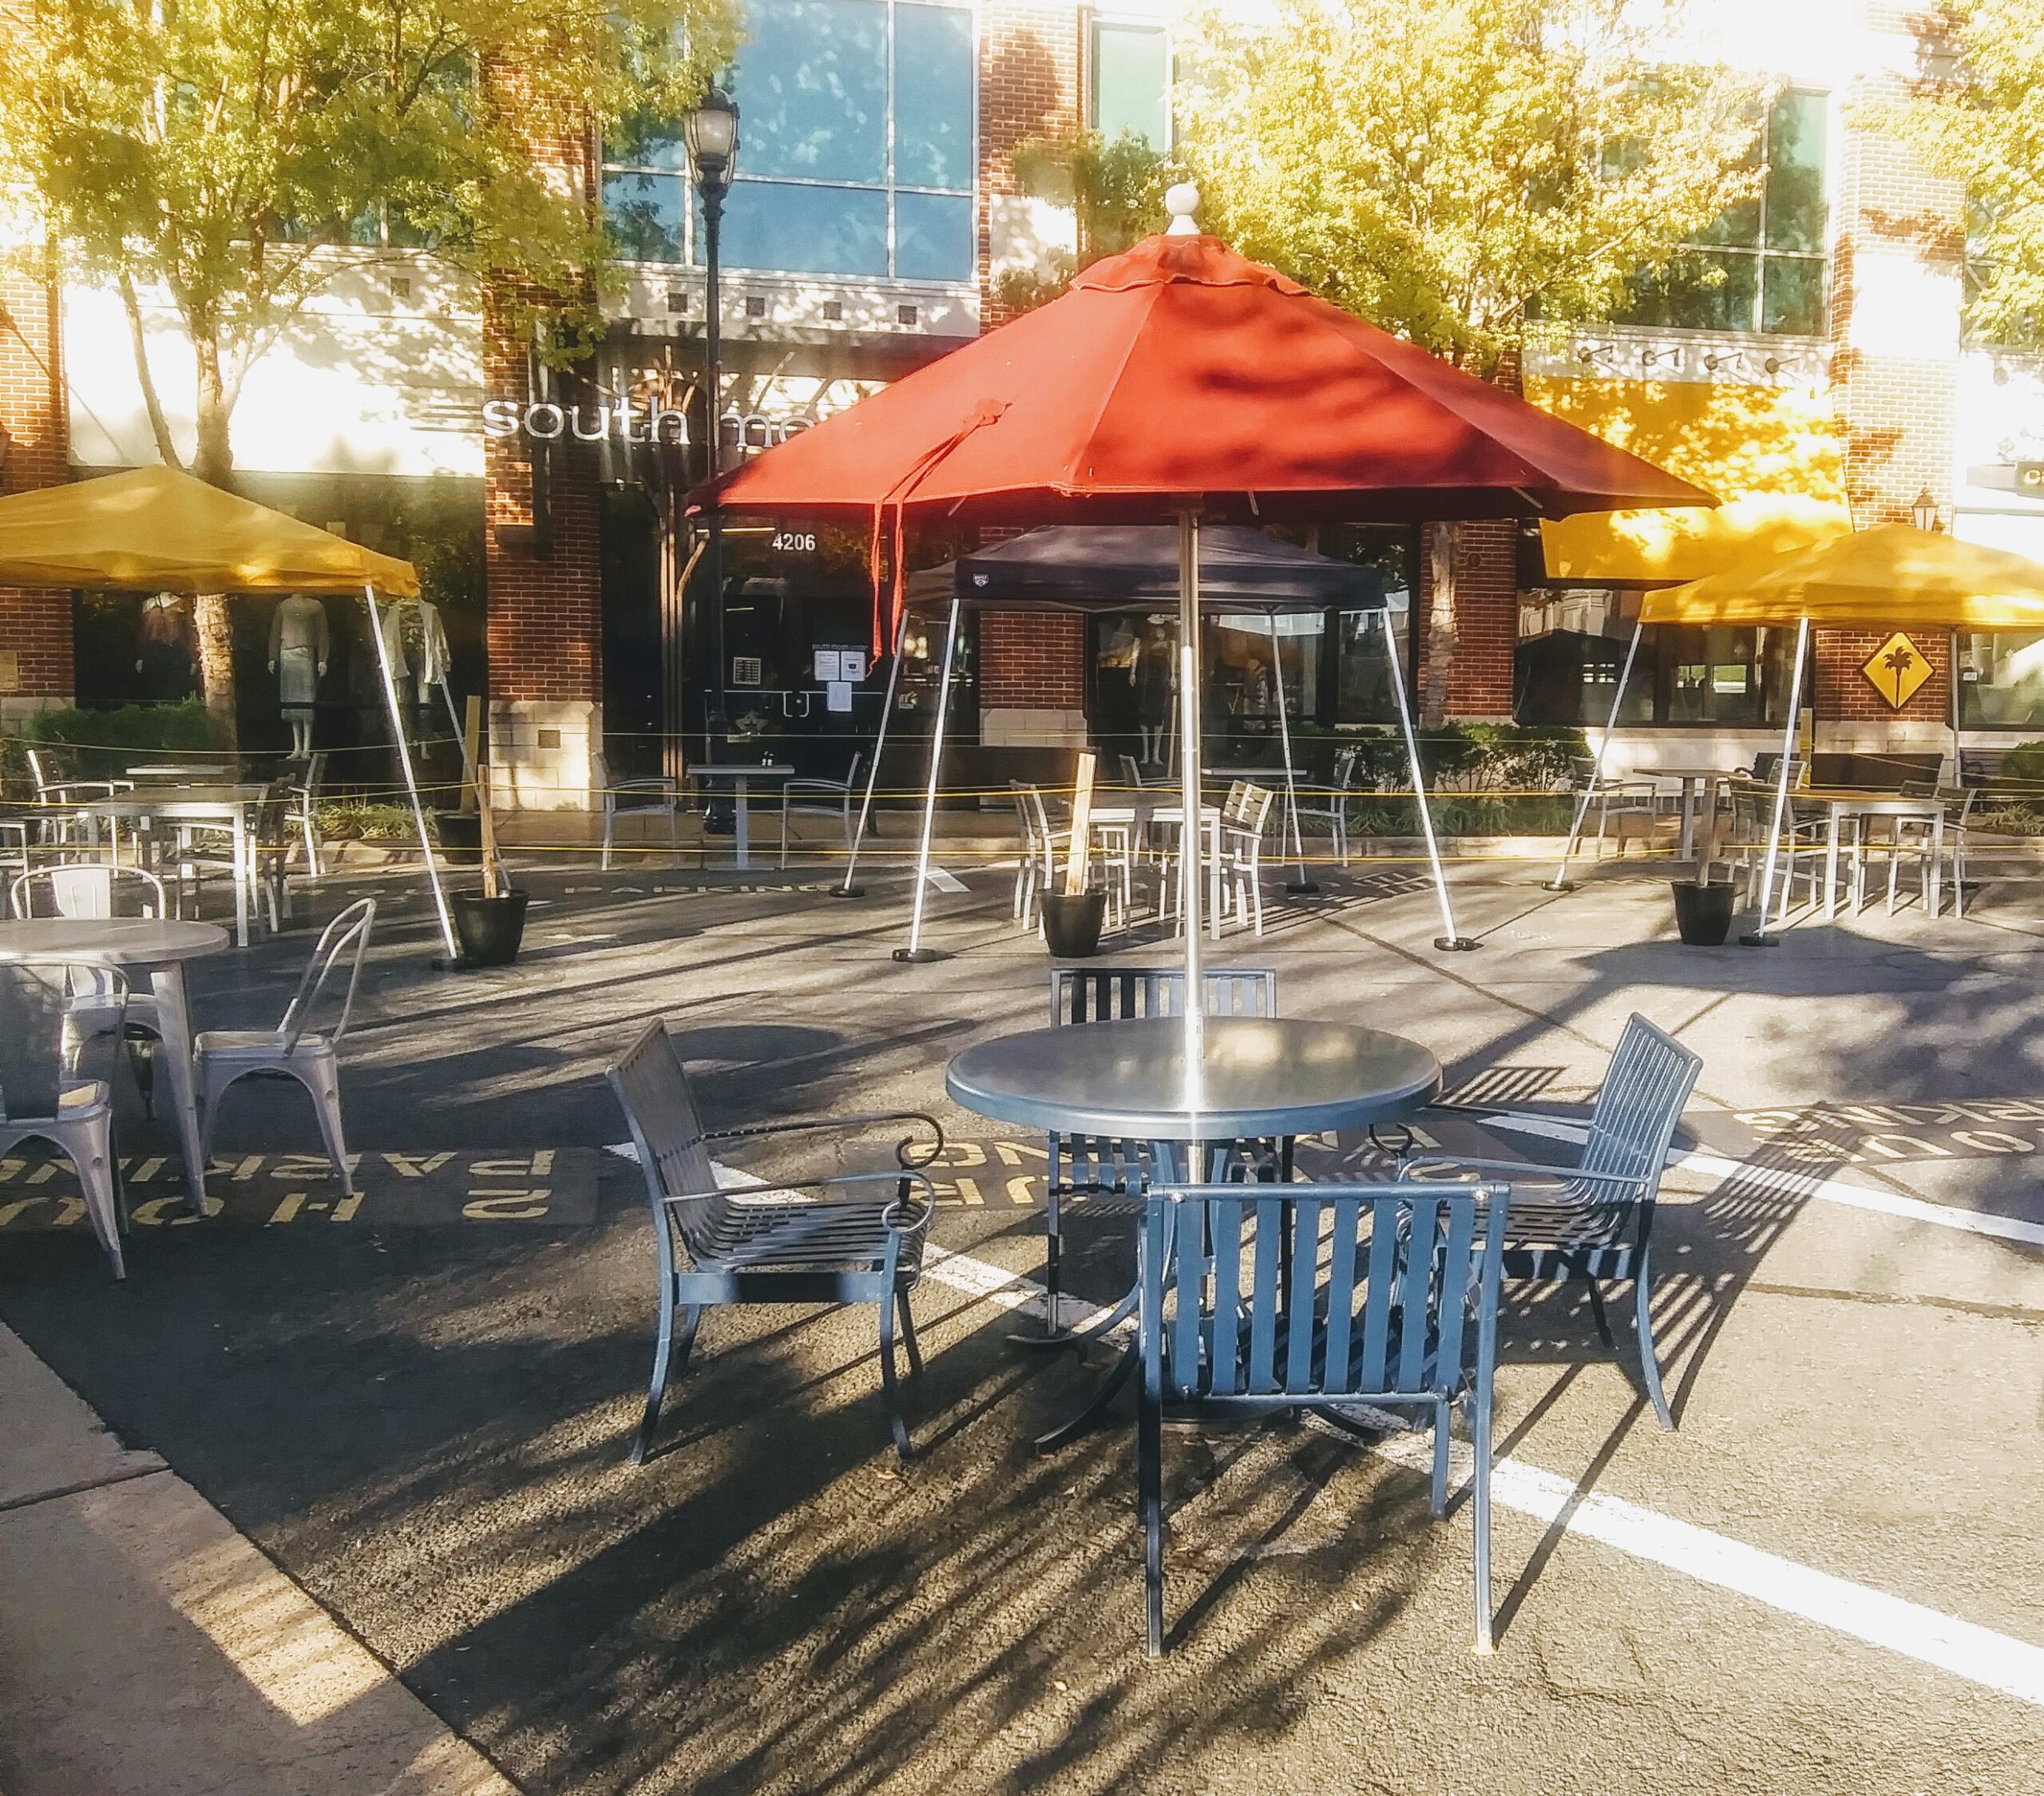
(543, 753)
(1018, 726)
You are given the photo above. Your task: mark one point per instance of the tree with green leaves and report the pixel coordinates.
(1114, 190)
(1979, 118)
(1466, 173)
(233, 157)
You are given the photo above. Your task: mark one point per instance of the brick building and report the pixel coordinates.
(1821, 382)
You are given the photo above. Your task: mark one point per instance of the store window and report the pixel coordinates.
(1572, 644)
(1131, 83)
(857, 148)
(1761, 267)
(2001, 680)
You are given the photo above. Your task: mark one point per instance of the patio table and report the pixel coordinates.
(178, 770)
(740, 773)
(1258, 1077)
(1695, 782)
(231, 808)
(1141, 813)
(1841, 802)
(158, 947)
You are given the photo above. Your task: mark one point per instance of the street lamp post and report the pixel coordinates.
(1924, 512)
(711, 135)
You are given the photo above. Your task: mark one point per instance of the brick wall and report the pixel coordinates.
(35, 623)
(1033, 661)
(1480, 675)
(1845, 695)
(1032, 66)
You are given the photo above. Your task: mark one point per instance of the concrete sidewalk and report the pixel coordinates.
(145, 1645)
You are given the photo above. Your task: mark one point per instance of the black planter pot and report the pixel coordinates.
(460, 836)
(488, 929)
(1703, 913)
(1071, 923)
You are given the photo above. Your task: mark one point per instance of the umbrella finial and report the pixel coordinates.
(1182, 201)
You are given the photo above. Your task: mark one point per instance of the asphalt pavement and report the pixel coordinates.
(1829, 1579)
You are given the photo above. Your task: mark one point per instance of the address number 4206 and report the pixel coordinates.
(794, 542)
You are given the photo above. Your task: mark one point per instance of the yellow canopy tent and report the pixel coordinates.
(158, 529)
(1891, 576)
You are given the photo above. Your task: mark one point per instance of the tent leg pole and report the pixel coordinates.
(1559, 883)
(848, 890)
(411, 784)
(1448, 940)
(916, 952)
(1302, 886)
(1760, 938)
(1191, 822)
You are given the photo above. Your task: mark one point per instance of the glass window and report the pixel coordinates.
(2001, 680)
(1572, 643)
(858, 148)
(1761, 265)
(1131, 76)
(934, 77)
(801, 228)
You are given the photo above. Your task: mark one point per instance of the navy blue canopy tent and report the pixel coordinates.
(1091, 567)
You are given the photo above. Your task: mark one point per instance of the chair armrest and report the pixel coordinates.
(1521, 1169)
(837, 788)
(65, 792)
(810, 1125)
(890, 1214)
(656, 783)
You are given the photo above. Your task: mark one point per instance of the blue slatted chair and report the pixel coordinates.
(1260, 1297)
(1098, 1166)
(1599, 1226)
(720, 1245)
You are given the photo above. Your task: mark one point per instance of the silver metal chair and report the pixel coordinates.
(59, 797)
(1242, 820)
(1106, 1171)
(1234, 1316)
(294, 1050)
(1599, 1226)
(1329, 803)
(37, 1101)
(839, 792)
(1915, 840)
(101, 1002)
(305, 806)
(1042, 846)
(654, 796)
(1617, 797)
(718, 1244)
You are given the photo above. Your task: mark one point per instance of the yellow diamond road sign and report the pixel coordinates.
(1897, 668)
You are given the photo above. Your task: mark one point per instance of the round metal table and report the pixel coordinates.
(1258, 1077)
(158, 947)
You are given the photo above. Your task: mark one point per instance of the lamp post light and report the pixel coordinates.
(710, 134)
(1924, 511)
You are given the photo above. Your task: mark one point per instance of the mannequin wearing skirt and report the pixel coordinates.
(299, 645)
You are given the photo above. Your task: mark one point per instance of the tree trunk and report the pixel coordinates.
(212, 461)
(1441, 632)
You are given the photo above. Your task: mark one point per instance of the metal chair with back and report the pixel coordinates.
(799, 797)
(718, 1244)
(655, 795)
(295, 1048)
(1235, 1314)
(1599, 1226)
(1329, 803)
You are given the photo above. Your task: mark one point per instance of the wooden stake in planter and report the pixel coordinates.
(1082, 824)
(471, 743)
(492, 877)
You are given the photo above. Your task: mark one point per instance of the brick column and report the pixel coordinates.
(36, 666)
(1032, 66)
(1032, 679)
(1897, 293)
(1480, 675)
(544, 627)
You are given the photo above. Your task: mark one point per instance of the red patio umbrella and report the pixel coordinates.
(1182, 380)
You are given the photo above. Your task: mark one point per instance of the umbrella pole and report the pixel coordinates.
(1448, 940)
(1559, 883)
(1301, 886)
(1760, 938)
(1191, 831)
(848, 890)
(405, 765)
(916, 952)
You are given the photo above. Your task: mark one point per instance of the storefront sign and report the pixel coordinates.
(626, 420)
(1897, 668)
(2030, 479)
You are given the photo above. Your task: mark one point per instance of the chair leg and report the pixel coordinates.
(1437, 1495)
(1053, 1259)
(610, 827)
(1150, 1504)
(909, 1335)
(1598, 1316)
(1649, 1364)
(326, 1101)
(889, 1387)
(91, 1149)
(1479, 1505)
(642, 1443)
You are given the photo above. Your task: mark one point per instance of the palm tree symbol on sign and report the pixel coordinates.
(1897, 668)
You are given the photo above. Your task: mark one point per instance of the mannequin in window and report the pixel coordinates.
(167, 656)
(1156, 679)
(299, 645)
(416, 642)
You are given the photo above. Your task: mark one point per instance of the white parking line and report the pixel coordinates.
(1801, 1185)
(1997, 1662)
